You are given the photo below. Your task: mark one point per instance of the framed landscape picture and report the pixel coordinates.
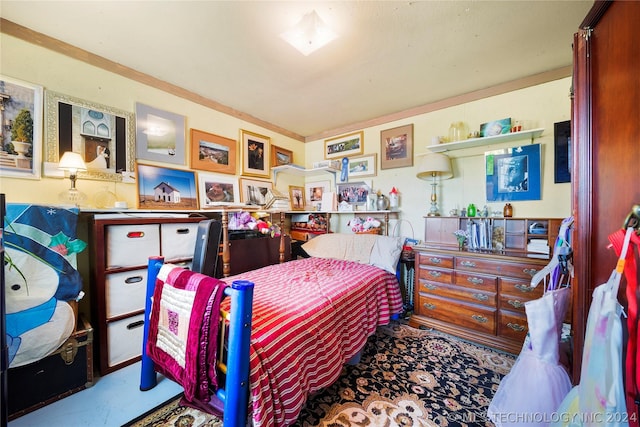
(254, 191)
(344, 146)
(396, 147)
(281, 156)
(363, 166)
(166, 189)
(159, 135)
(212, 153)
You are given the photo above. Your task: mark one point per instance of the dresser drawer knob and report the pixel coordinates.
(530, 271)
(516, 327)
(430, 286)
(475, 280)
(468, 264)
(515, 303)
(429, 306)
(523, 288)
(435, 260)
(481, 297)
(434, 273)
(480, 319)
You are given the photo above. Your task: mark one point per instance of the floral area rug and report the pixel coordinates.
(406, 377)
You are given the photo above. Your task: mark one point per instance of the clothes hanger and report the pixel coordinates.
(562, 254)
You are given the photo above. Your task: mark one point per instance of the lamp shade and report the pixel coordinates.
(72, 162)
(435, 164)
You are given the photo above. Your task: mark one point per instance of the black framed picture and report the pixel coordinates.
(562, 151)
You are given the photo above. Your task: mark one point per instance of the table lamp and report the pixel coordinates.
(432, 166)
(73, 163)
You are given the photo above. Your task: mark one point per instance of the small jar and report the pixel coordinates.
(382, 202)
(471, 210)
(507, 212)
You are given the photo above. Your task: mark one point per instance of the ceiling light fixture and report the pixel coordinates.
(310, 34)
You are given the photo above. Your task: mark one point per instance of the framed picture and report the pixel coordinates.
(160, 135)
(354, 193)
(396, 147)
(216, 190)
(314, 191)
(296, 195)
(256, 152)
(562, 151)
(514, 175)
(103, 135)
(281, 156)
(21, 132)
(363, 166)
(254, 191)
(212, 153)
(166, 188)
(344, 146)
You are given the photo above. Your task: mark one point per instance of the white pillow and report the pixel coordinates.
(386, 252)
(349, 247)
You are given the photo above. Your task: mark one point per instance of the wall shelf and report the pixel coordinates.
(297, 170)
(475, 142)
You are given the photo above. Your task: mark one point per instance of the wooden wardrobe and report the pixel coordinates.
(606, 146)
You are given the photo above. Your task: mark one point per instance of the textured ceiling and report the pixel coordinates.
(390, 56)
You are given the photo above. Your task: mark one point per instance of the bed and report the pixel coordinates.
(291, 326)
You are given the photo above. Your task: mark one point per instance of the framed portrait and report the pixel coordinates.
(363, 166)
(256, 152)
(166, 189)
(281, 156)
(396, 147)
(21, 132)
(562, 151)
(104, 136)
(217, 190)
(296, 196)
(354, 193)
(254, 191)
(513, 174)
(212, 153)
(344, 146)
(160, 135)
(314, 190)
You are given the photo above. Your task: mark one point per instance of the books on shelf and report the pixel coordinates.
(480, 234)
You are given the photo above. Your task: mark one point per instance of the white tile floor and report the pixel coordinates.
(113, 400)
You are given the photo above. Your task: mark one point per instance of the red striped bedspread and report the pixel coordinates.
(310, 316)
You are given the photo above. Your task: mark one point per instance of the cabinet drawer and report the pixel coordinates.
(125, 292)
(478, 264)
(435, 260)
(476, 281)
(512, 325)
(178, 240)
(131, 245)
(435, 275)
(521, 270)
(125, 339)
(470, 316)
(464, 294)
(520, 288)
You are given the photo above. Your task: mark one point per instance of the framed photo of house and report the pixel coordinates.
(21, 131)
(396, 147)
(281, 156)
(296, 196)
(344, 146)
(513, 174)
(254, 191)
(355, 193)
(213, 153)
(314, 190)
(160, 135)
(256, 152)
(166, 189)
(217, 190)
(104, 136)
(363, 166)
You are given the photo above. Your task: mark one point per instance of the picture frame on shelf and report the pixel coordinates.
(21, 114)
(513, 174)
(562, 151)
(354, 193)
(296, 196)
(256, 154)
(217, 190)
(396, 147)
(213, 153)
(363, 166)
(344, 146)
(160, 135)
(281, 156)
(104, 136)
(165, 188)
(314, 190)
(254, 191)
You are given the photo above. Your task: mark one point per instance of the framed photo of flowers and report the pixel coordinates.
(256, 153)
(213, 153)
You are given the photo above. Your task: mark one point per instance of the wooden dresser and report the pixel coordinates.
(479, 297)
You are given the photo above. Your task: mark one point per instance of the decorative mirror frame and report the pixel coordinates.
(52, 131)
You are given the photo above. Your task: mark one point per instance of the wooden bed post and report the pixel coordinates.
(226, 257)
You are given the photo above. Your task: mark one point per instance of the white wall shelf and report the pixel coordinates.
(487, 140)
(297, 170)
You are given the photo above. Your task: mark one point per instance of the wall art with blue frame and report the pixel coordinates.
(513, 174)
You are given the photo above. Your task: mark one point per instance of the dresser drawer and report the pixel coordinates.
(476, 281)
(124, 339)
(512, 325)
(456, 292)
(435, 274)
(471, 316)
(435, 260)
(125, 292)
(478, 264)
(131, 245)
(178, 240)
(521, 270)
(520, 288)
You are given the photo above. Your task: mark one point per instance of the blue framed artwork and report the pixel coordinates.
(514, 175)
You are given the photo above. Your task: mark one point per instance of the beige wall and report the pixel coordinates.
(538, 106)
